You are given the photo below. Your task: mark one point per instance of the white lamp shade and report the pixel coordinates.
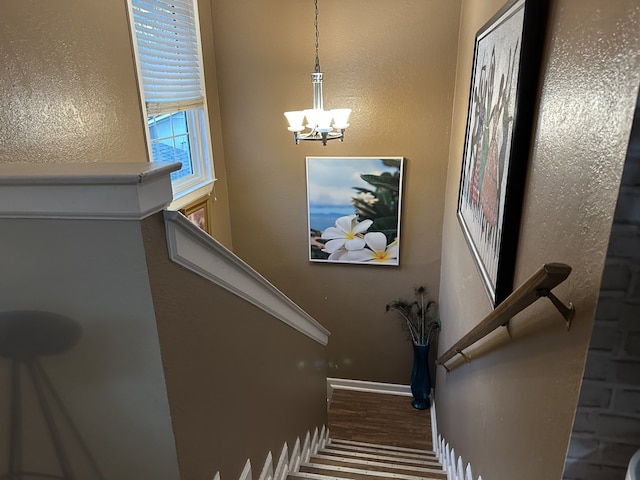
(295, 121)
(313, 117)
(324, 121)
(341, 117)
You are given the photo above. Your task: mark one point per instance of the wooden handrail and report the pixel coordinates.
(539, 285)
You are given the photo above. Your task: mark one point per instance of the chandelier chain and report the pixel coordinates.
(315, 24)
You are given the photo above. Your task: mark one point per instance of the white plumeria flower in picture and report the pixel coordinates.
(377, 251)
(347, 234)
(366, 197)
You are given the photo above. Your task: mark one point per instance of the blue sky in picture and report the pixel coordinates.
(330, 186)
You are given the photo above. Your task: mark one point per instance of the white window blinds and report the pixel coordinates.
(168, 53)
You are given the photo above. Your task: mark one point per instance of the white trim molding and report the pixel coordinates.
(446, 454)
(108, 191)
(195, 250)
(366, 386)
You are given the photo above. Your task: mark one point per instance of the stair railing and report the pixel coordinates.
(538, 285)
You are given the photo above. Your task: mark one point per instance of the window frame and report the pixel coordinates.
(200, 183)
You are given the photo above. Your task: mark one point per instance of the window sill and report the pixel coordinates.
(189, 196)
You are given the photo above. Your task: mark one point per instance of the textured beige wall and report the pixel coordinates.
(68, 89)
(509, 412)
(67, 85)
(219, 199)
(240, 382)
(393, 64)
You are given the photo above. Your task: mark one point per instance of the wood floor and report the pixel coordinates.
(378, 418)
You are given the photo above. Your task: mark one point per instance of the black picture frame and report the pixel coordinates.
(500, 118)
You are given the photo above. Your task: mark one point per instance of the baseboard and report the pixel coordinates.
(366, 386)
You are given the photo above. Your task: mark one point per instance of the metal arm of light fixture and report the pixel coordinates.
(318, 136)
(318, 119)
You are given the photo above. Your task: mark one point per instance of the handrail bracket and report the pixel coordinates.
(568, 312)
(507, 326)
(464, 355)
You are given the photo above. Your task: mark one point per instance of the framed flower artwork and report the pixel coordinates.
(353, 206)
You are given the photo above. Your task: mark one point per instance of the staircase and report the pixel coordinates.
(346, 459)
(373, 436)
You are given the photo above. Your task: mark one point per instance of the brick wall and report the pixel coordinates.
(606, 431)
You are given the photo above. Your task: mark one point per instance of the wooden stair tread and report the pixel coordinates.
(313, 476)
(338, 441)
(418, 462)
(378, 418)
(376, 464)
(358, 474)
(352, 450)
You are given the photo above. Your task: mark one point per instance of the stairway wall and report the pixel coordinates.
(69, 93)
(393, 63)
(68, 88)
(240, 382)
(510, 411)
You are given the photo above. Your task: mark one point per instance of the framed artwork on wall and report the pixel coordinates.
(353, 206)
(198, 213)
(502, 99)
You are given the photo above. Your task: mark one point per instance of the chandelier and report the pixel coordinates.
(318, 127)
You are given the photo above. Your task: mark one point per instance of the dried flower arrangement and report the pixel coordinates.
(417, 316)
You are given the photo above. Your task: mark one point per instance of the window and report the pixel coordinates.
(169, 61)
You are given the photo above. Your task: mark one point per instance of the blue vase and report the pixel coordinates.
(420, 378)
